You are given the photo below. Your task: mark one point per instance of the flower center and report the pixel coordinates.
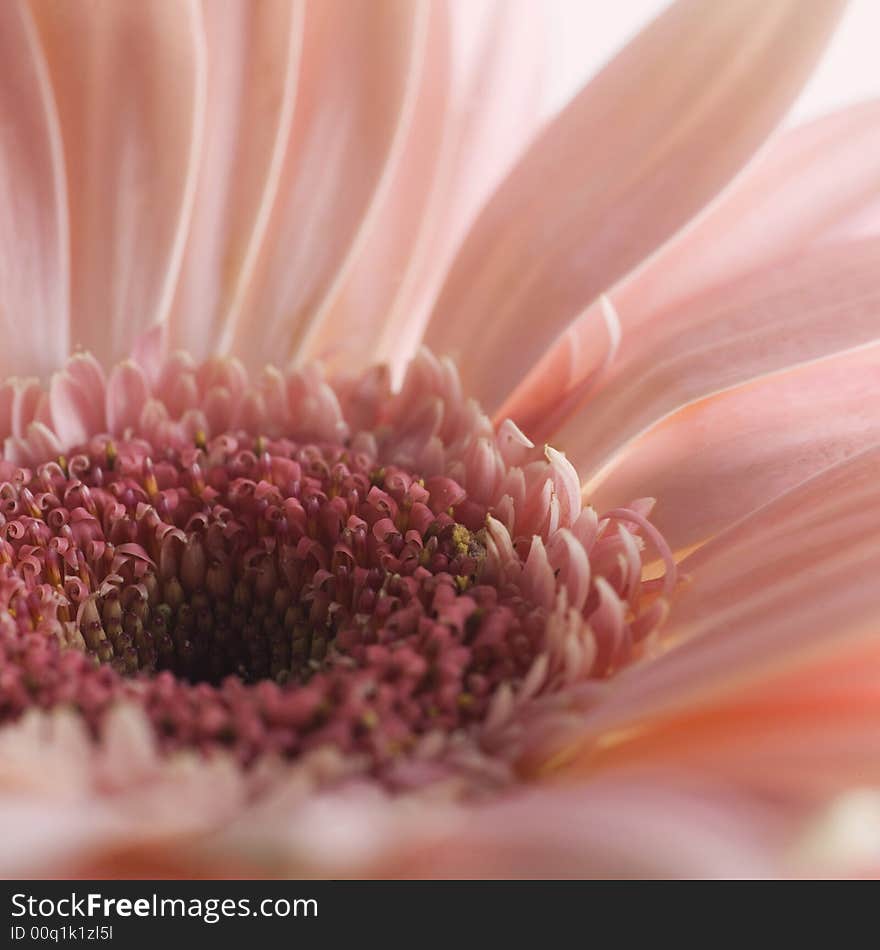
(265, 596)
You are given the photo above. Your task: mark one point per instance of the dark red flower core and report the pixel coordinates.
(267, 597)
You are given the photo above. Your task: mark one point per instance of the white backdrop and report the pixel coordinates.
(588, 32)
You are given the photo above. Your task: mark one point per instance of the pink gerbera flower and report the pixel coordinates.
(283, 591)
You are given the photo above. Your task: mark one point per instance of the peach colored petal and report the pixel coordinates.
(810, 180)
(127, 394)
(787, 587)
(447, 173)
(865, 222)
(359, 82)
(648, 823)
(811, 184)
(353, 316)
(74, 808)
(721, 457)
(33, 226)
(641, 825)
(622, 168)
(21, 398)
(7, 400)
(807, 734)
(129, 83)
(36, 444)
(68, 804)
(76, 399)
(812, 305)
(253, 52)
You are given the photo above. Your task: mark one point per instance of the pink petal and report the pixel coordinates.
(70, 806)
(642, 825)
(76, 400)
(806, 734)
(7, 401)
(33, 225)
(253, 52)
(791, 586)
(649, 141)
(24, 395)
(811, 179)
(37, 444)
(648, 823)
(360, 63)
(129, 83)
(127, 394)
(455, 156)
(813, 305)
(721, 457)
(354, 314)
(813, 183)
(863, 222)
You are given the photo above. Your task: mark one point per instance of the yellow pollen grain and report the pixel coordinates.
(151, 486)
(461, 538)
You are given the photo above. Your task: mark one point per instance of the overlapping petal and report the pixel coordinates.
(70, 807)
(253, 57)
(816, 304)
(129, 82)
(649, 823)
(622, 168)
(782, 601)
(447, 172)
(805, 736)
(778, 316)
(720, 457)
(787, 200)
(359, 82)
(33, 225)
